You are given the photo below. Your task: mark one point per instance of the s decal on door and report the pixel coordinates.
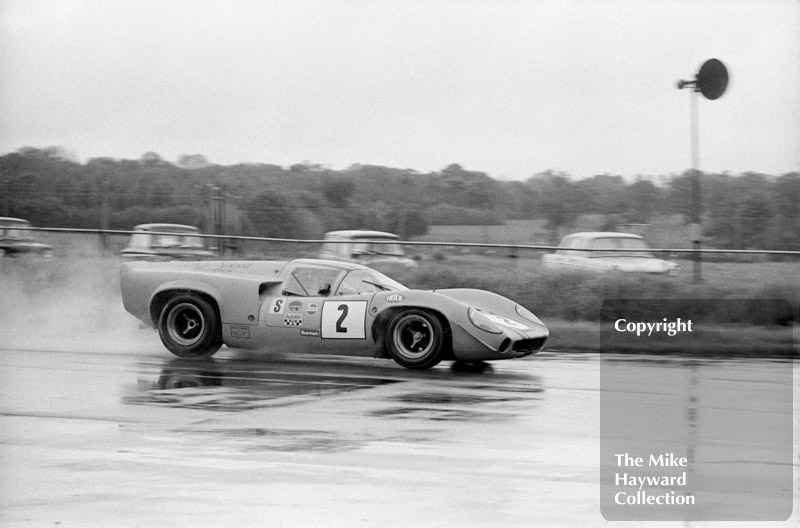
(277, 305)
(344, 320)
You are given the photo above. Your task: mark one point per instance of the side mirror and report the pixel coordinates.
(325, 290)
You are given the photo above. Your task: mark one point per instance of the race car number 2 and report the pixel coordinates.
(344, 320)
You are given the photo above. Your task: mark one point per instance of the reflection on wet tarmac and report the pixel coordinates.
(90, 437)
(459, 405)
(255, 439)
(232, 385)
(260, 395)
(449, 393)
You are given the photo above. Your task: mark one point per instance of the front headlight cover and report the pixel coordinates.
(527, 314)
(480, 321)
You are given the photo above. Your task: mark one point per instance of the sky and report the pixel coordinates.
(507, 87)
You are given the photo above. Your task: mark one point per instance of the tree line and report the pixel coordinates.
(51, 188)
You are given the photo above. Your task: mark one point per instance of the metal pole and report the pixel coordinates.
(208, 204)
(222, 217)
(697, 227)
(105, 214)
(6, 197)
(217, 217)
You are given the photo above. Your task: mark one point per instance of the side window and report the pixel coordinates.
(193, 241)
(334, 249)
(293, 287)
(349, 286)
(166, 240)
(309, 282)
(563, 247)
(140, 240)
(607, 243)
(577, 245)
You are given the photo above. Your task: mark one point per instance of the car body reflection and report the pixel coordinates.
(457, 392)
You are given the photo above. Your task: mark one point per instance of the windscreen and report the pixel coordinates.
(612, 243)
(367, 281)
(368, 247)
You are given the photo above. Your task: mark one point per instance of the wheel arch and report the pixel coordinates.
(162, 296)
(381, 323)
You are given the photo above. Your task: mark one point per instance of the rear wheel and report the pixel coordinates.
(189, 327)
(415, 339)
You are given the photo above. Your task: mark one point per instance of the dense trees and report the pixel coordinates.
(51, 188)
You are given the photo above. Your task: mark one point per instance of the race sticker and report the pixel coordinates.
(312, 309)
(218, 267)
(506, 322)
(292, 319)
(277, 305)
(309, 333)
(344, 319)
(240, 331)
(295, 306)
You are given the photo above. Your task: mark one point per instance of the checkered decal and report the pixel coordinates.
(292, 320)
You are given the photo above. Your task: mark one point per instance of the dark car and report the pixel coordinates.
(166, 242)
(16, 242)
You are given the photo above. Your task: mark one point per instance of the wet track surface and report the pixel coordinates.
(135, 437)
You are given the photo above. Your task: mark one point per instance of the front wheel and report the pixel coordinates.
(415, 339)
(189, 327)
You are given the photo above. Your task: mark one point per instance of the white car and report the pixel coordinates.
(324, 306)
(375, 249)
(17, 243)
(166, 242)
(606, 255)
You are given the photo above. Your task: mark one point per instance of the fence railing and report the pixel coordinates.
(484, 245)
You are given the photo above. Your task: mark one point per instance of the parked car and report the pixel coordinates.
(166, 242)
(16, 242)
(375, 249)
(322, 306)
(573, 253)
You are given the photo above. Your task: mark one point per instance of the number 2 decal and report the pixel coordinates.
(343, 320)
(339, 328)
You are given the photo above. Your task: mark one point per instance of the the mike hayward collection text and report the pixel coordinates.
(643, 495)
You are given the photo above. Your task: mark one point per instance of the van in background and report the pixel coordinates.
(375, 249)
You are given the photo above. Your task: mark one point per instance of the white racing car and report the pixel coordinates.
(322, 306)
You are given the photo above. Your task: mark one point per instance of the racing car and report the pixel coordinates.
(322, 306)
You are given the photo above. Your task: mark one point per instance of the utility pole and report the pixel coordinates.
(6, 197)
(711, 81)
(218, 217)
(105, 214)
(696, 230)
(206, 193)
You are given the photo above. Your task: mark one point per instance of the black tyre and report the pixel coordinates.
(189, 327)
(415, 339)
